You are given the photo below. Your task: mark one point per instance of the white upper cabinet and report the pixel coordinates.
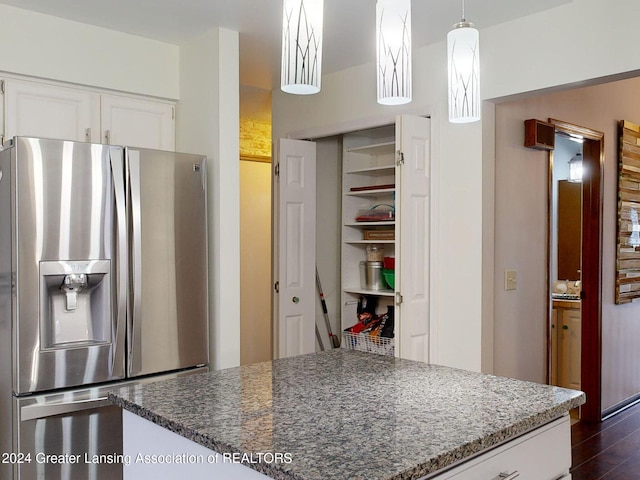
(77, 114)
(137, 123)
(39, 110)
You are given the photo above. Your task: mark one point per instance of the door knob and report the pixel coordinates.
(295, 300)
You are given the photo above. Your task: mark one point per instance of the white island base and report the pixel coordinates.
(155, 453)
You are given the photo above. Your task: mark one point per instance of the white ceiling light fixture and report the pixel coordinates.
(301, 46)
(463, 54)
(393, 37)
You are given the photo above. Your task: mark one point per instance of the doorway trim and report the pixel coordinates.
(591, 265)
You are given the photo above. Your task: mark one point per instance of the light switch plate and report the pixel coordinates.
(510, 279)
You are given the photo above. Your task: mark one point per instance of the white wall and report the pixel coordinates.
(208, 122)
(49, 47)
(575, 42)
(516, 57)
(255, 262)
(328, 238)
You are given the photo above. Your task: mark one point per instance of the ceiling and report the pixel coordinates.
(349, 25)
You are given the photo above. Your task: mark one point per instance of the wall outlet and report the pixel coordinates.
(510, 279)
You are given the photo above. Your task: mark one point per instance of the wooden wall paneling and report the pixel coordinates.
(628, 240)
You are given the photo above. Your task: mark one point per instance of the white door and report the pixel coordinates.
(413, 172)
(138, 123)
(38, 110)
(295, 216)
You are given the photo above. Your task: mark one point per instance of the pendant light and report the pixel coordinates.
(463, 54)
(575, 168)
(393, 37)
(301, 46)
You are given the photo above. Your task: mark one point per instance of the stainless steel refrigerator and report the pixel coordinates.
(103, 280)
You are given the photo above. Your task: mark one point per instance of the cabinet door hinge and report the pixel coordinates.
(277, 287)
(276, 171)
(173, 113)
(1, 86)
(400, 158)
(398, 298)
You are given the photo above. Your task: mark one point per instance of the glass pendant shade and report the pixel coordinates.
(575, 168)
(393, 37)
(463, 49)
(301, 46)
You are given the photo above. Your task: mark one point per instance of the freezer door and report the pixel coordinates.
(71, 436)
(168, 303)
(68, 246)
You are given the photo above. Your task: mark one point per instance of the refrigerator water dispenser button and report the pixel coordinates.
(73, 284)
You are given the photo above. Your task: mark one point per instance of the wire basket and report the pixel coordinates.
(364, 342)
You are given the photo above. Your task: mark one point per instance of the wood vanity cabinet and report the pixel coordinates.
(566, 340)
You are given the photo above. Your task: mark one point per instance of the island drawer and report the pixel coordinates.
(542, 454)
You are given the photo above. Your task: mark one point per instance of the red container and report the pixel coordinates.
(389, 263)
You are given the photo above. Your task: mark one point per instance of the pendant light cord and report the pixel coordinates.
(463, 17)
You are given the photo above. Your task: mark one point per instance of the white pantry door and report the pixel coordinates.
(295, 187)
(414, 172)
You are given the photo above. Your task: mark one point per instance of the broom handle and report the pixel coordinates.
(335, 341)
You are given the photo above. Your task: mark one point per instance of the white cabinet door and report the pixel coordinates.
(39, 110)
(413, 209)
(295, 188)
(138, 123)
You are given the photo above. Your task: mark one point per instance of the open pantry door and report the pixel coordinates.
(413, 171)
(295, 230)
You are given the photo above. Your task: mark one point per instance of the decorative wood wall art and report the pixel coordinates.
(628, 248)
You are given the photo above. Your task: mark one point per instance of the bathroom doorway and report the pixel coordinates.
(575, 263)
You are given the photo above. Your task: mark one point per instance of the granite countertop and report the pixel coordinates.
(346, 414)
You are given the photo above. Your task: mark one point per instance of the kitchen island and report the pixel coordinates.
(345, 415)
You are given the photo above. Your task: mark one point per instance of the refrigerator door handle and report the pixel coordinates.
(36, 412)
(135, 323)
(117, 174)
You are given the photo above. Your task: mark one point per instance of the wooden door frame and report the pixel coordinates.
(591, 265)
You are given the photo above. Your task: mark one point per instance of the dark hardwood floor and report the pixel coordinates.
(609, 450)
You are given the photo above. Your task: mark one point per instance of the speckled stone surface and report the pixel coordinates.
(348, 415)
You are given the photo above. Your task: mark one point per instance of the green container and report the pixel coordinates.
(389, 277)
